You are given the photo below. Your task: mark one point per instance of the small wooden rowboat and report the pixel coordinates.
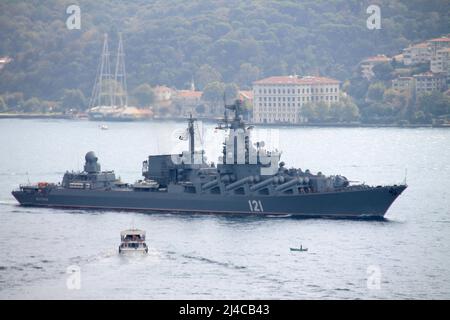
(301, 249)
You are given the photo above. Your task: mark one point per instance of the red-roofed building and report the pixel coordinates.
(440, 40)
(188, 100)
(416, 54)
(188, 94)
(163, 93)
(438, 44)
(368, 64)
(441, 62)
(279, 99)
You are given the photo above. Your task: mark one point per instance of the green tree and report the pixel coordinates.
(32, 105)
(322, 111)
(276, 37)
(14, 100)
(435, 103)
(421, 118)
(3, 106)
(376, 91)
(73, 99)
(213, 93)
(206, 75)
(316, 111)
(246, 75)
(308, 111)
(144, 95)
(344, 111)
(398, 101)
(231, 91)
(383, 71)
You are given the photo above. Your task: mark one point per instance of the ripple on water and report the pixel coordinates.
(227, 256)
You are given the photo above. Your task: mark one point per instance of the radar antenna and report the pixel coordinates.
(236, 122)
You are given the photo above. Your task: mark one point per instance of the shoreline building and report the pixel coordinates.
(437, 44)
(367, 65)
(417, 54)
(428, 82)
(279, 99)
(441, 62)
(405, 84)
(188, 101)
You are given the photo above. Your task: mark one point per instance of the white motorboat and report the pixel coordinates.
(133, 241)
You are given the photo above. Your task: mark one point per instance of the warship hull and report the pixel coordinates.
(366, 203)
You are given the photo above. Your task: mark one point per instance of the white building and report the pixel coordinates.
(416, 54)
(163, 93)
(188, 100)
(428, 82)
(279, 99)
(367, 65)
(437, 44)
(404, 84)
(441, 62)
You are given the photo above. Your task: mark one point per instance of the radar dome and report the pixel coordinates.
(91, 157)
(91, 165)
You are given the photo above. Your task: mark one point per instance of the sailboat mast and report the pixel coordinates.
(102, 93)
(106, 75)
(120, 78)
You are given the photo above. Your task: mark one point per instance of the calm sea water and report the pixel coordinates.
(215, 257)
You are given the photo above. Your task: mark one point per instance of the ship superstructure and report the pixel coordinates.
(248, 179)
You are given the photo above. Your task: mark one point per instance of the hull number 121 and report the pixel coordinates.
(255, 206)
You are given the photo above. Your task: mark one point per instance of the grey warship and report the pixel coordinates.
(248, 180)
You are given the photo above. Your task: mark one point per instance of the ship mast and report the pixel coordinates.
(102, 92)
(191, 132)
(120, 77)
